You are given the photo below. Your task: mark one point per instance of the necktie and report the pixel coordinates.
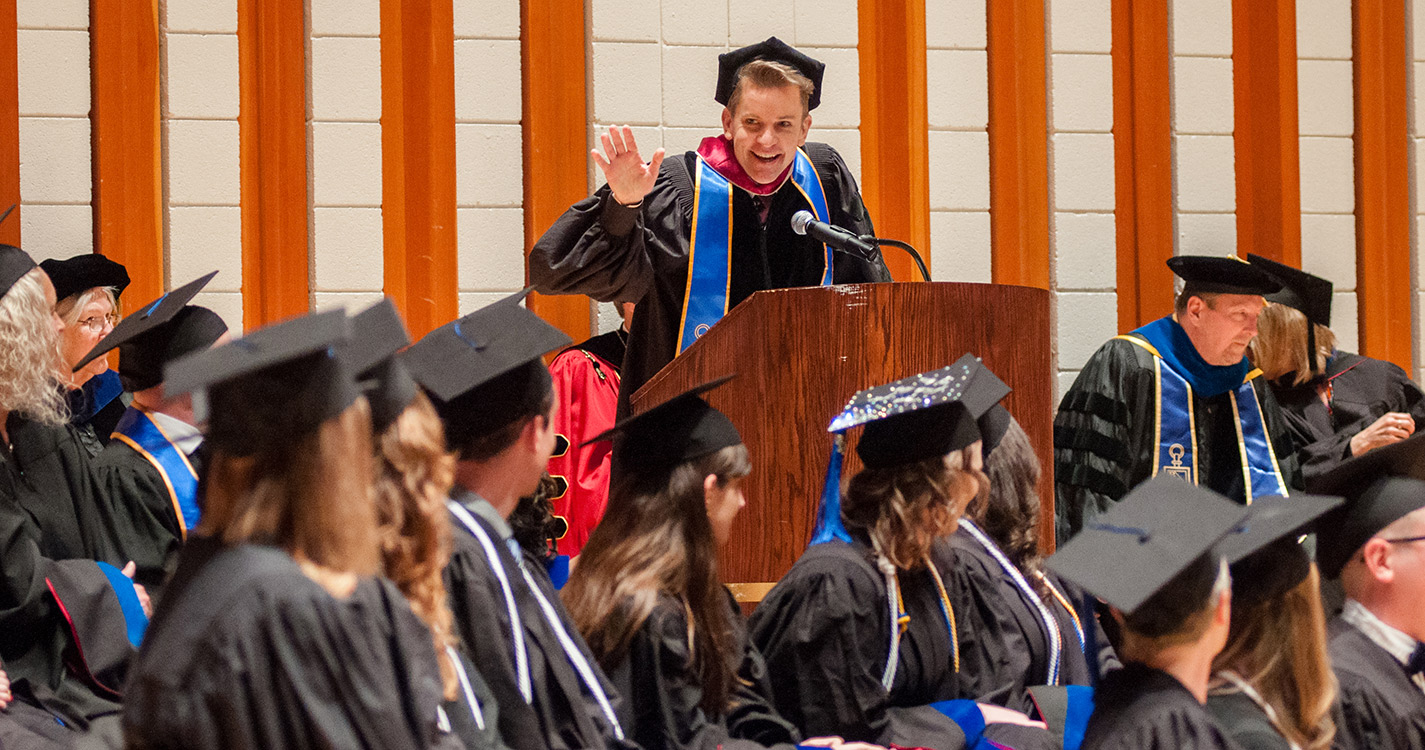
(1416, 664)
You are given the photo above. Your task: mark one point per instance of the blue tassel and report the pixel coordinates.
(828, 516)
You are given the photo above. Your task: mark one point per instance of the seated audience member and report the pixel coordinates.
(1375, 544)
(87, 288)
(486, 378)
(273, 631)
(1153, 559)
(69, 618)
(862, 637)
(646, 593)
(1272, 687)
(1337, 404)
(413, 478)
(150, 470)
(586, 387)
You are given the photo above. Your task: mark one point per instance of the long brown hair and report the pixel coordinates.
(413, 478)
(310, 495)
(1280, 346)
(906, 508)
(655, 539)
(1009, 511)
(1279, 647)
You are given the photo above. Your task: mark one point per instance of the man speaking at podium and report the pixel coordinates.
(689, 239)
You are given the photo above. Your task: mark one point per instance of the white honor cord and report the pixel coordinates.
(576, 657)
(888, 677)
(516, 628)
(465, 685)
(1051, 623)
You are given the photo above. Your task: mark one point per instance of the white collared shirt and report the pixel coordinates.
(185, 437)
(1399, 645)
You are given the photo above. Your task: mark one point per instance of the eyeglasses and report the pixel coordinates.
(98, 323)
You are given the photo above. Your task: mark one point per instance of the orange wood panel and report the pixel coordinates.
(127, 154)
(418, 160)
(555, 128)
(9, 123)
(1382, 180)
(895, 134)
(1265, 129)
(272, 65)
(1143, 160)
(1019, 151)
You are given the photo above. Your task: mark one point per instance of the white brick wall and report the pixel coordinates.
(1203, 152)
(957, 85)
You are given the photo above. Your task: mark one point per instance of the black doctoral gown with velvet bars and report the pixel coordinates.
(824, 631)
(609, 252)
(1361, 391)
(148, 524)
(662, 693)
(562, 713)
(1140, 708)
(246, 652)
(1105, 440)
(1380, 707)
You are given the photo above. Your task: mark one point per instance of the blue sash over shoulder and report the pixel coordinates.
(138, 430)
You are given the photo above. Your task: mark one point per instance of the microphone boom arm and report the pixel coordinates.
(914, 255)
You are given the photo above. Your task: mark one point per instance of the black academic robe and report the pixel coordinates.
(1245, 722)
(824, 631)
(1141, 708)
(246, 651)
(1361, 391)
(662, 693)
(610, 252)
(476, 734)
(1106, 442)
(147, 524)
(1380, 707)
(561, 714)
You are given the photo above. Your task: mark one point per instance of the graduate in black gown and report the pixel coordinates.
(274, 631)
(1176, 396)
(150, 470)
(862, 637)
(69, 618)
(647, 596)
(1153, 559)
(413, 478)
(486, 378)
(632, 240)
(1375, 545)
(87, 287)
(1337, 404)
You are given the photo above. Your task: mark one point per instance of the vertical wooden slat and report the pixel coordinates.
(272, 36)
(1382, 180)
(418, 160)
(1143, 160)
(1265, 129)
(895, 133)
(1019, 155)
(9, 122)
(555, 127)
(127, 156)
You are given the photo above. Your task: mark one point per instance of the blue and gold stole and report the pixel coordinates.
(1173, 375)
(710, 249)
(140, 432)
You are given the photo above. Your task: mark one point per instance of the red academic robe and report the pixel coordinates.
(586, 386)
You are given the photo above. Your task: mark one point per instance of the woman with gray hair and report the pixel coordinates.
(87, 289)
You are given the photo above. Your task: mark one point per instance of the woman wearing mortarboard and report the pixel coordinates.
(87, 289)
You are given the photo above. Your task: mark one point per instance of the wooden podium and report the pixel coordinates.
(801, 353)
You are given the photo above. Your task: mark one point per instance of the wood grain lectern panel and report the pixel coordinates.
(801, 353)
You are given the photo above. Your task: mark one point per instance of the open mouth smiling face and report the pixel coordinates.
(768, 127)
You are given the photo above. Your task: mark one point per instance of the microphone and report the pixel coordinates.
(804, 222)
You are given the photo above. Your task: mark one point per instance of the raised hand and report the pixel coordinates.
(630, 178)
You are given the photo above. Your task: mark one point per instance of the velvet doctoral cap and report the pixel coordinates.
(158, 333)
(1380, 487)
(680, 429)
(86, 271)
(378, 333)
(1137, 547)
(484, 371)
(1265, 552)
(270, 387)
(1223, 274)
(772, 50)
(1311, 295)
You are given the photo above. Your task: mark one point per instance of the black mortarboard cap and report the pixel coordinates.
(146, 342)
(1380, 487)
(993, 424)
(680, 429)
(485, 370)
(377, 335)
(1134, 549)
(925, 415)
(14, 264)
(1264, 551)
(1223, 274)
(271, 386)
(775, 50)
(86, 271)
(1300, 291)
